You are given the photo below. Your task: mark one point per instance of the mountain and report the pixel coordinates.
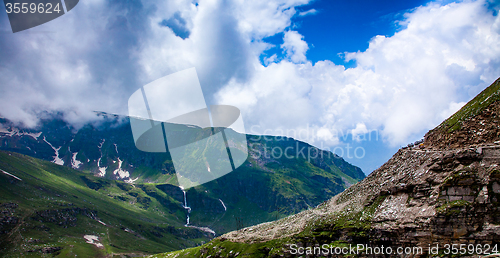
(475, 124)
(52, 209)
(101, 162)
(438, 198)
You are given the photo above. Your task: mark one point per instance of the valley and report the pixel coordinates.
(90, 191)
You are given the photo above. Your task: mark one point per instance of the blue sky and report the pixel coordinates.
(334, 27)
(404, 67)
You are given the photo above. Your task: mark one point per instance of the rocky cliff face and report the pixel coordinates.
(417, 198)
(429, 198)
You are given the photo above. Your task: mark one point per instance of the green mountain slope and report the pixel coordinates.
(47, 208)
(281, 176)
(471, 109)
(475, 123)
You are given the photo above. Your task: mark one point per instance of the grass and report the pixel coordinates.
(256, 192)
(219, 248)
(452, 208)
(472, 108)
(56, 208)
(356, 225)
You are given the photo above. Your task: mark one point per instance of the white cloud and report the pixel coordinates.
(308, 12)
(99, 53)
(418, 67)
(294, 46)
(452, 109)
(358, 131)
(402, 85)
(262, 18)
(71, 64)
(95, 56)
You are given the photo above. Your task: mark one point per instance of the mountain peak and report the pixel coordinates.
(474, 124)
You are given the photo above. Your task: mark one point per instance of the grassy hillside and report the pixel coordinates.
(476, 123)
(472, 108)
(52, 208)
(281, 176)
(47, 208)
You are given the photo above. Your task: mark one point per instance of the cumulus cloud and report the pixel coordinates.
(97, 55)
(74, 64)
(359, 131)
(402, 85)
(294, 46)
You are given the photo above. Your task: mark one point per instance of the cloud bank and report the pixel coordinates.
(97, 55)
(403, 85)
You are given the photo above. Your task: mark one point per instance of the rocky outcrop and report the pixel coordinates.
(478, 130)
(7, 218)
(417, 197)
(475, 124)
(63, 217)
(47, 250)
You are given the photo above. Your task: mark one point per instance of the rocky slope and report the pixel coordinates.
(432, 198)
(266, 187)
(475, 124)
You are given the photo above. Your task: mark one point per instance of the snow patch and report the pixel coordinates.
(223, 205)
(91, 239)
(131, 181)
(16, 132)
(34, 135)
(185, 206)
(4, 130)
(56, 160)
(74, 162)
(208, 167)
(121, 173)
(9, 174)
(102, 170)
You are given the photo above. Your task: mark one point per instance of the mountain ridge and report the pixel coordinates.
(467, 125)
(445, 191)
(262, 189)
